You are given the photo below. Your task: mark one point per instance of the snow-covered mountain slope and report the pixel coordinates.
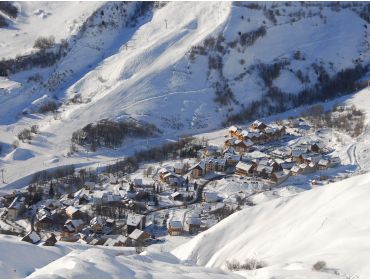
(167, 65)
(67, 260)
(59, 19)
(291, 234)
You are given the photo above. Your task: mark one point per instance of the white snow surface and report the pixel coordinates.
(68, 260)
(143, 70)
(291, 234)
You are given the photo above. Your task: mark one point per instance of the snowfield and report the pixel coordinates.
(68, 260)
(140, 66)
(291, 234)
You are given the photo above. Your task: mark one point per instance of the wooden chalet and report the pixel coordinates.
(198, 170)
(138, 237)
(193, 225)
(175, 228)
(135, 221)
(244, 169)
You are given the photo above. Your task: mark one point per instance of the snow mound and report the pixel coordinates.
(18, 260)
(328, 224)
(99, 263)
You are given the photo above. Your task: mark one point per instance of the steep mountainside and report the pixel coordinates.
(185, 67)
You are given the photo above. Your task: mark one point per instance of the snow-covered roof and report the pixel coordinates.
(70, 210)
(175, 224)
(323, 162)
(97, 220)
(113, 241)
(136, 234)
(295, 168)
(243, 166)
(193, 221)
(297, 152)
(34, 236)
(138, 181)
(134, 219)
(200, 164)
(211, 196)
(75, 223)
(280, 174)
(178, 165)
(233, 128)
(173, 195)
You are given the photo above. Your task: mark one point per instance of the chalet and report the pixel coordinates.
(261, 170)
(214, 164)
(231, 159)
(97, 224)
(113, 179)
(258, 125)
(16, 208)
(243, 169)
(98, 197)
(234, 131)
(211, 151)
(120, 241)
(268, 171)
(51, 240)
(97, 241)
(162, 172)
(110, 223)
(297, 155)
(229, 143)
(334, 161)
(317, 147)
(208, 223)
(135, 221)
(279, 176)
(72, 226)
(304, 168)
(138, 182)
(52, 204)
(311, 158)
(312, 166)
(31, 237)
(284, 152)
(176, 196)
(210, 197)
(242, 146)
(44, 219)
(229, 150)
(73, 213)
(293, 123)
(83, 196)
(193, 224)
(198, 170)
(89, 185)
(180, 168)
(175, 228)
(295, 170)
(287, 164)
(323, 164)
(138, 237)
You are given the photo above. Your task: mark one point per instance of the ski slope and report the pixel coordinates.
(291, 234)
(142, 69)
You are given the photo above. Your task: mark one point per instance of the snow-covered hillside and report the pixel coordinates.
(291, 234)
(20, 260)
(164, 64)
